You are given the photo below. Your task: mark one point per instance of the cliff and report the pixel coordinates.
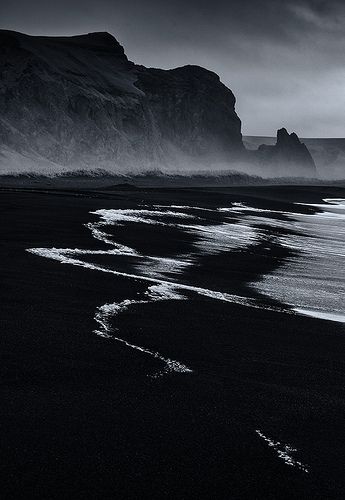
(77, 102)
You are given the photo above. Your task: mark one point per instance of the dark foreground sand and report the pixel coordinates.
(80, 418)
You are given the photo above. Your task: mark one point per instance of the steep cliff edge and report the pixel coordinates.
(77, 102)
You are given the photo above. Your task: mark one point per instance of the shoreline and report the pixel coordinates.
(81, 412)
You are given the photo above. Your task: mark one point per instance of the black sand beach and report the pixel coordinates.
(85, 416)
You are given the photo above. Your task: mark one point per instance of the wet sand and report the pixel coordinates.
(81, 415)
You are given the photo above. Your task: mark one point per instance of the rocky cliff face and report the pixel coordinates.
(288, 157)
(71, 103)
(77, 102)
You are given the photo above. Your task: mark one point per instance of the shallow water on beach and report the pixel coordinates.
(313, 280)
(309, 280)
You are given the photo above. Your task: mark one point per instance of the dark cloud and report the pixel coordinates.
(284, 59)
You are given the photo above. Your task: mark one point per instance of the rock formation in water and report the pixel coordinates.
(289, 156)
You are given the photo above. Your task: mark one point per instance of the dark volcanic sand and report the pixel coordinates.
(80, 418)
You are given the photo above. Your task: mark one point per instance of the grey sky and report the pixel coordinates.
(284, 60)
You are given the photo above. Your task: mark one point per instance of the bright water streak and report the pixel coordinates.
(313, 281)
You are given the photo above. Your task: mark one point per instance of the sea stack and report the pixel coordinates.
(289, 156)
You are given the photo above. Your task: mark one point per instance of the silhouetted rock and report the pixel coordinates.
(288, 157)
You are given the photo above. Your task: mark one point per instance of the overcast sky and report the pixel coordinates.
(283, 59)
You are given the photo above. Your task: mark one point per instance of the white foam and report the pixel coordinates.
(152, 269)
(242, 207)
(188, 207)
(284, 452)
(106, 238)
(217, 238)
(335, 201)
(312, 279)
(121, 216)
(161, 267)
(106, 313)
(62, 255)
(332, 207)
(163, 291)
(327, 315)
(228, 236)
